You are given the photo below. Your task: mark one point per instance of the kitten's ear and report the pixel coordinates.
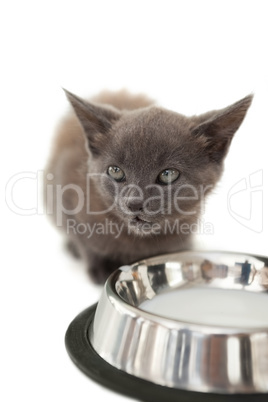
(216, 129)
(95, 120)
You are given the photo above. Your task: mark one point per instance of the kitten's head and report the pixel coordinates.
(156, 165)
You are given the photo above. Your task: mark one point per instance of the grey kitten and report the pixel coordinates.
(127, 179)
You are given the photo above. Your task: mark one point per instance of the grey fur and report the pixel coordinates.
(129, 131)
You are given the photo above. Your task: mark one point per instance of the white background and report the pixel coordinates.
(191, 56)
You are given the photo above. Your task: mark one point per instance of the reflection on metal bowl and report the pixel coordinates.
(194, 321)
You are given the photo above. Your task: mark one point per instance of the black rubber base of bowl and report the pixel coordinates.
(85, 357)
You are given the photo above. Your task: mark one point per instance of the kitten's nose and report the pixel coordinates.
(134, 205)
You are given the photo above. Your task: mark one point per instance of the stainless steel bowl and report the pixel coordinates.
(191, 321)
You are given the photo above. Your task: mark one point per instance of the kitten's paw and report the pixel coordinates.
(73, 249)
(100, 269)
(97, 275)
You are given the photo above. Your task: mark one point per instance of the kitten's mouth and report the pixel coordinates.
(138, 220)
(140, 225)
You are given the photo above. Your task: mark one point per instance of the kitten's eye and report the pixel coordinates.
(168, 176)
(116, 173)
